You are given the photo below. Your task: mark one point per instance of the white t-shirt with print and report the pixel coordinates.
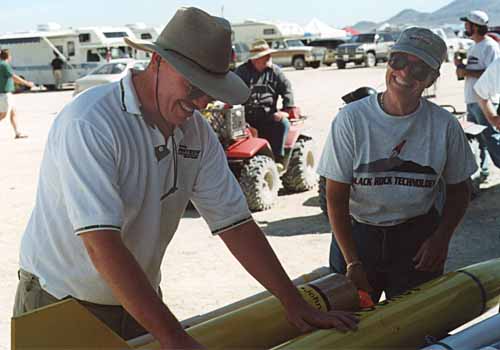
(105, 168)
(393, 163)
(479, 57)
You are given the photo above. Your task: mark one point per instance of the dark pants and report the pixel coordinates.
(273, 131)
(387, 253)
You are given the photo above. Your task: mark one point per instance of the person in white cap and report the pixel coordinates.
(120, 165)
(479, 57)
(384, 160)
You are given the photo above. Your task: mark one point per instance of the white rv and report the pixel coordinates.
(248, 31)
(82, 49)
(143, 32)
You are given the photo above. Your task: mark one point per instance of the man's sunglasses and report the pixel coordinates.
(417, 70)
(195, 92)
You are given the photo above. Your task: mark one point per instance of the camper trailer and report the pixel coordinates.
(143, 32)
(248, 31)
(82, 49)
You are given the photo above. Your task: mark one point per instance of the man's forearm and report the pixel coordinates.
(488, 110)
(130, 286)
(473, 73)
(456, 203)
(250, 247)
(18, 80)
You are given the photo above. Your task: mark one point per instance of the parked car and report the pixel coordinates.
(329, 48)
(293, 53)
(240, 54)
(453, 42)
(108, 73)
(366, 48)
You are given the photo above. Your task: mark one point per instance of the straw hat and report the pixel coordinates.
(259, 49)
(198, 46)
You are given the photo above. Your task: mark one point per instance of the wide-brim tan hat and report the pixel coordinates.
(198, 46)
(260, 48)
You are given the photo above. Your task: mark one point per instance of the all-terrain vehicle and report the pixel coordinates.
(251, 158)
(471, 130)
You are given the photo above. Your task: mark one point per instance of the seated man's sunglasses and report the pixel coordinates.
(417, 70)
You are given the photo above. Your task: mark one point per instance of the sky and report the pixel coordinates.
(25, 15)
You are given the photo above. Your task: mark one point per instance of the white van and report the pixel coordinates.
(83, 49)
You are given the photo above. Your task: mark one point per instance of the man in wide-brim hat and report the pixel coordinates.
(267, 83)
(121, 163)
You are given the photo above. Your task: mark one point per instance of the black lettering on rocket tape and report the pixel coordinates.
(320, 292)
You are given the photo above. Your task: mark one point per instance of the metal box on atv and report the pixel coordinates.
(251, 158)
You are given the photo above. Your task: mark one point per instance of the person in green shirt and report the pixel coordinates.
(7, 87)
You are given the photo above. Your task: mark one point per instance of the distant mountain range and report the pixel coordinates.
(449, 14)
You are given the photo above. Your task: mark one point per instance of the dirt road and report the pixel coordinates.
(198, 273)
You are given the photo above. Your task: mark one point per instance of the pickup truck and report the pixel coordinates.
(367, 49)
(329, 47)
(455, 44)
(293, 53)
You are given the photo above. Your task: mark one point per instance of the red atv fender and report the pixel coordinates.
(247, 148)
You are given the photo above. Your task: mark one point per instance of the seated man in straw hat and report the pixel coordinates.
(121, 163)
(267, 82)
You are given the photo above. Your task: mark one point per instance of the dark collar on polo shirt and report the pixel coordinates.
(129, 102)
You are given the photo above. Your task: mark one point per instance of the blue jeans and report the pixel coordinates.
(387, 254)
(489, 139)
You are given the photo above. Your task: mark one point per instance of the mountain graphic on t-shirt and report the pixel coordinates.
(394, 164)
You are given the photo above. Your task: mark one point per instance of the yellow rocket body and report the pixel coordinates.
(433, 308)
(263, 324)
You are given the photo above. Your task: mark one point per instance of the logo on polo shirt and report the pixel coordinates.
(161, 152)
(188, 153)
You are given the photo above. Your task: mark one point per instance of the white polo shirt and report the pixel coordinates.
(488, 85)
(479, 57)
(105, 168)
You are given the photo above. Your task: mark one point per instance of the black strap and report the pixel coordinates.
(481, 288)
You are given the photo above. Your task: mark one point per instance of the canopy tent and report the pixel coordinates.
(316, 28)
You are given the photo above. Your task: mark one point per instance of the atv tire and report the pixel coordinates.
(260, 182)
(300, 175)
(322, 195)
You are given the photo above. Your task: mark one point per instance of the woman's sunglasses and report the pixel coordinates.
(417, 70)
